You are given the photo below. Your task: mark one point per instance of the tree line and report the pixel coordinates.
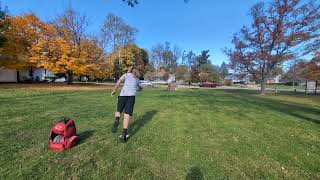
(64, 47)
(280, 31)
(187, 66)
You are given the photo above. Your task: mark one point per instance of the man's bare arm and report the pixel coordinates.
(116, 87)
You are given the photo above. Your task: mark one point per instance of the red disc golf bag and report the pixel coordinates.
(63, 135)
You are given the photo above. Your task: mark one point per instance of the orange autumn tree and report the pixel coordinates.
(309, 71)
(71, 27)
(55, 53)
(96, 59)
(22, 32)
(64, 48)
(129, 55)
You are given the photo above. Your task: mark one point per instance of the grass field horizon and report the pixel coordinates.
(187, 134)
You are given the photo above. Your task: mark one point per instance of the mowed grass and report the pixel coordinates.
(187, 134)
(286, 87)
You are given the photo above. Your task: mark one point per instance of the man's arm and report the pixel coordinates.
(117, 85)
(139, 86)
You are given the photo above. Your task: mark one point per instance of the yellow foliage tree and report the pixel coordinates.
(64, 49)
(22, 32)
(129, 55)
(60, 56)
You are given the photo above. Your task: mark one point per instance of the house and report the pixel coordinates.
(8, 75)
(12, 75)
(160, 77)
(247, 79)
(274, 79)
(292, 79)
(234, 79)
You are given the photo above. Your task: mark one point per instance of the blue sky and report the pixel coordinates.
(197, 25)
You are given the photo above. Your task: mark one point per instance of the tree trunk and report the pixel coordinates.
(315, 91)
(263, 86)
(305, 90)
(31, 73)
(18, 76)
(70, 78)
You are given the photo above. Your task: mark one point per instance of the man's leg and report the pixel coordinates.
(128, 110)
(126, 120)
(120, 107)
(116, 122)
(117, 114)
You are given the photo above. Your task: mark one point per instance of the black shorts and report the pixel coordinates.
(126, 103)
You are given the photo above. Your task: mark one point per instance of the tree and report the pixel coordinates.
(182, 72)
(203, 58)
(189, 59)
(210, 71)
(277, 70)
(223, 70)
(309, 71)
(165, 56)
(22, 32)
(4, 23)
(116, 33)
(71, 27)
(277, 32)
(204, 77)
(194, 73)
(131, 55)
(201, 68)
(63, 48)
(292, 75)
(133, 3)
(54, 53)
(156, 56)
(95, 59)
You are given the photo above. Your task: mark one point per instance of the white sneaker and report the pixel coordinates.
(122, 139)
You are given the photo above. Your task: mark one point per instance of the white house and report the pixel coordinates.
(11, 75)
(233, 79)
(274, 79)
(159, 78)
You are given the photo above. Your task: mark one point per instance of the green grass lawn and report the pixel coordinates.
(188, 134)
(286, 87)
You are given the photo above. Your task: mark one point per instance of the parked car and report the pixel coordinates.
(60, 80)
(208, 84)
(146, 83)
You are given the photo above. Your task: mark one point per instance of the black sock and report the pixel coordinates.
(117, 118)
(125, 131)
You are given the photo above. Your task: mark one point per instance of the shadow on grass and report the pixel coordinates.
(83, 136)
(140, 122)
(194, 174)
(297, 110)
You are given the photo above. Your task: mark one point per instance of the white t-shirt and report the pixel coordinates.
(131, 83)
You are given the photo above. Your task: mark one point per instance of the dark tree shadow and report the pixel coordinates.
(140, 122)
(83, 136)
(194, 174)
(293, 109)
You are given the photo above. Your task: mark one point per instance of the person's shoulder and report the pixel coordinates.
(123, 76)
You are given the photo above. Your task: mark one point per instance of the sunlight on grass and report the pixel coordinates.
(174, 135)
